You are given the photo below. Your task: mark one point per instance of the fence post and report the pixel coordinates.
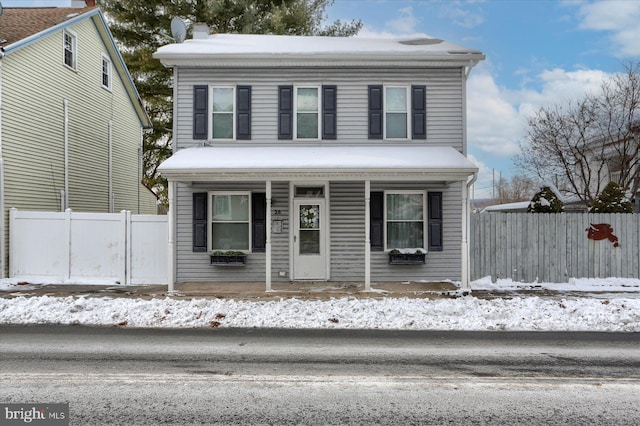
(122, 256)
(67, 245)
(128, 250)
(12, 240)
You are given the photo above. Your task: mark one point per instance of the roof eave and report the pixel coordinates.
(215, 174)
(301, 59)
(10, 48)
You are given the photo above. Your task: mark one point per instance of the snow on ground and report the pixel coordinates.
(620, 312)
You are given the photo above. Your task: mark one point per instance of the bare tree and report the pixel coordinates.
(590, 142)
(518, 188)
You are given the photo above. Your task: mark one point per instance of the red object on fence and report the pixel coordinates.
(601, 231)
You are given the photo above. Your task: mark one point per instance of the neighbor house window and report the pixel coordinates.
(404, 220)
(230, 220)
(106, 72)
(307, 107)
(396, 107)
(223, 112)
(70, 48)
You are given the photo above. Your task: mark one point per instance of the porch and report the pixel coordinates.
(338, 182)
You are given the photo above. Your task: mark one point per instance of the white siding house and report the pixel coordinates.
(71, 119)
(318, 159)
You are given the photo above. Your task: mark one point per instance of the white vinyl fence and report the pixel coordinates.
(94, 248)
(543, 247)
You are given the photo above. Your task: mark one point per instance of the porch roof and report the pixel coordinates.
(245, 163)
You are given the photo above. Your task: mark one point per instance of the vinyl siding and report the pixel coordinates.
(195, 267)
(444, 101)
(35, 85)
(347, 229)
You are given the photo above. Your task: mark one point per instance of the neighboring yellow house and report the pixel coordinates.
(72, 121)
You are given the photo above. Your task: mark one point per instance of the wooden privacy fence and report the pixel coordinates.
(105, 248)
(543, 247)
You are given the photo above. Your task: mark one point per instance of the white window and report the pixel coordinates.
(70, 49)
(106, 72)
(396, 116)
(223, 105)
(405, 219)
(229, 221)
(307, 112)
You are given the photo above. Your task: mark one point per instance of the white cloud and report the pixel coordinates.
(405, 23)
(497, 117)
(620, 18)
(483, 187)
(466, 15)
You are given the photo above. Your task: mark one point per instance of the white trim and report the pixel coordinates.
(211, 113)
(267, 250)
(385, 111)
(106, 60)
(424, 218)
(210, 196)
(367, 235)
(295, 112)
(74, 49)
(326, 224)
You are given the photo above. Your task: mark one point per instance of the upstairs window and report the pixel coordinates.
(222, 112)
(106, 72)
(396, 106)
(307, 112)
(395, 112)
(307, 107)
(70, 49)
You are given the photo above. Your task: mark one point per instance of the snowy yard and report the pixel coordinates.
(615, 307)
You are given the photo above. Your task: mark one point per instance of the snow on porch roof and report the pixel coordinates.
(272, 162)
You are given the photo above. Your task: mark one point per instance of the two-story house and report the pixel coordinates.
(318, 158)
(72, 121)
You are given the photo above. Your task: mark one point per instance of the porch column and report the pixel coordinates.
(268, 241)
(465, 242)
(367, 235)
(171, 240)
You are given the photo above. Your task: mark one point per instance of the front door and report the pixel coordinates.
(309, 246)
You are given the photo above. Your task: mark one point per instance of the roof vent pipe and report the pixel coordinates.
(200, 30)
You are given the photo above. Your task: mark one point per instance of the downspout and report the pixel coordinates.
(111, 203)
(171, 189)
(465, 277)
(66, 155)
(466, 206)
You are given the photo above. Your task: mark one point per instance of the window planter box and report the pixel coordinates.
(407, 258)
(228, 259)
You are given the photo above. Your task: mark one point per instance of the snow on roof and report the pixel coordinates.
(317, 158)
(517, 206)
(249, 45)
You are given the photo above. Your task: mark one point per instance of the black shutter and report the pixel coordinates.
(375, 112)
(258, 222)
(434, 205)
(418, 112)
(200, 221)
(376, 210)
(285, 112)
(329, 102)
(200, 112)
(243, 117)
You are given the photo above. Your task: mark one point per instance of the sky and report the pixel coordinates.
(538, 53)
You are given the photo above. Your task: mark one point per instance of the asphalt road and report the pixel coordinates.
(254, 376)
